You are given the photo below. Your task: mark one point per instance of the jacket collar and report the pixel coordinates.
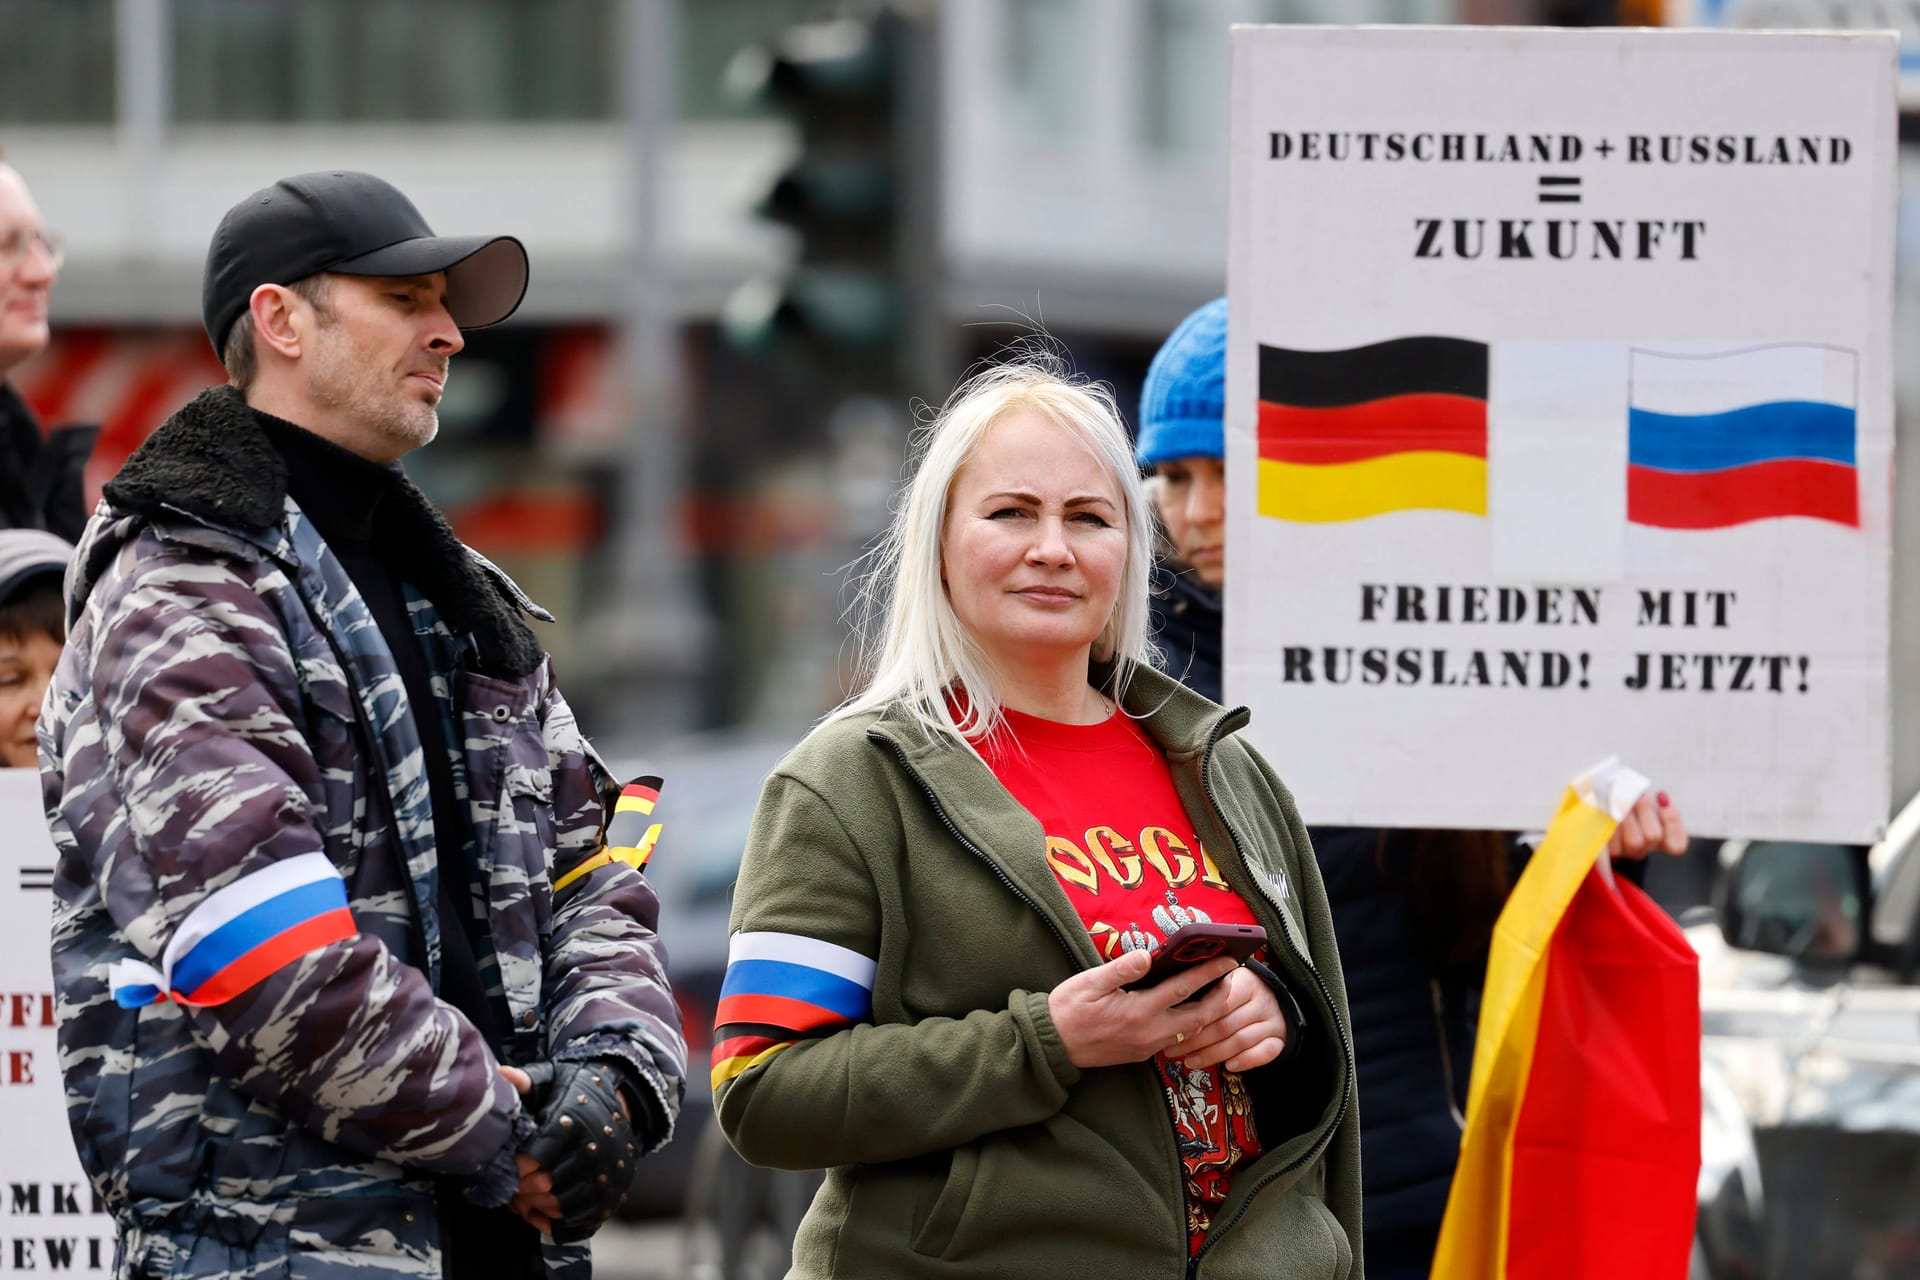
(988, 818)
(1180, 720)
(214, 463)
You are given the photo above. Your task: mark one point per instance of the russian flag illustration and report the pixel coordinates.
(1755, 434)
(782, 988)
(242, 933)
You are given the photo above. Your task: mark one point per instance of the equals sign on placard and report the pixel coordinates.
(1559, 189)
(36, 879)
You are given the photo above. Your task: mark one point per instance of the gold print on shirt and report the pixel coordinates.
(1071, 864)
(1114, 852)
(1213, 878)
(1119, 860)
(1180, 872)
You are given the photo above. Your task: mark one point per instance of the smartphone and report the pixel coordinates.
(1198, 943)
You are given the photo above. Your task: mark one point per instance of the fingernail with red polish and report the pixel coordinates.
(1662, 798)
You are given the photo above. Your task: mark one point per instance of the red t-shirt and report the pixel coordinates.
(1120, 843)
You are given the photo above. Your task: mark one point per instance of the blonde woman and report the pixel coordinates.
(954, 880)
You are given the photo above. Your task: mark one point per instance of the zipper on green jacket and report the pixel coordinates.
(1179, 1175)
(1346, 1048)
(1179, 1170)
(941, 812)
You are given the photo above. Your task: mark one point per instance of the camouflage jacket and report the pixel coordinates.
(227, 701)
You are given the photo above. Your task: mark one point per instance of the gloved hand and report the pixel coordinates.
(585, 1141)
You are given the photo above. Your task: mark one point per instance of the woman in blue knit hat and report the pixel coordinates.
(1182, 445)
(1413, 910)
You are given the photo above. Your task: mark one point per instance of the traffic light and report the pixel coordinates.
(840, 305)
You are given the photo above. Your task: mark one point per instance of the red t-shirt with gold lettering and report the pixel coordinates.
(1119, 840)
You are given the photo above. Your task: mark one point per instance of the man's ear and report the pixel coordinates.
(275, 310)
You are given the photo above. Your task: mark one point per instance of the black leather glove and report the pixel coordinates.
(584, 1141)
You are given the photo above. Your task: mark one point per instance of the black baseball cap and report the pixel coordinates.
(357, 225)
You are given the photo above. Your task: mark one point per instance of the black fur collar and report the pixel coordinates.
(213, 460)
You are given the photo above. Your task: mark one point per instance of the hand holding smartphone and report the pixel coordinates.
(1198, 943)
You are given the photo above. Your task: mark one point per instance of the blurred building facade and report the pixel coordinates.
(138, 122)
(686, 512)
(1064, 134)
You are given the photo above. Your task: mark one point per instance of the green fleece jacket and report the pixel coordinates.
(961, 1141)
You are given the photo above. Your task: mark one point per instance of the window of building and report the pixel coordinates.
(59, 62)
(245, 61)
(713, 31)
(1186, 51)
(1044, 58)
(1183, 76)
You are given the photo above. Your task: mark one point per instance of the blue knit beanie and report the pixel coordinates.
(1183, 404)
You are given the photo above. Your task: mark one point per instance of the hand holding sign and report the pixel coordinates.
(1654, 823)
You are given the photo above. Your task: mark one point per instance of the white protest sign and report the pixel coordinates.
(1560, 420)
(49, 1220)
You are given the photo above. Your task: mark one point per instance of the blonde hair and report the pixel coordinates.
(913, 647)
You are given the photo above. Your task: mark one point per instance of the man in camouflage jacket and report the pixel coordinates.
(228, 706)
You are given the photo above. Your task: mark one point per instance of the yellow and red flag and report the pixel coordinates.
(1582, 1147)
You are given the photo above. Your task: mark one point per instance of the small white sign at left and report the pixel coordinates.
(49, 1219)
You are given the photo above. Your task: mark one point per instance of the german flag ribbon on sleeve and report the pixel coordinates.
(1582, 1145)
(630, 835)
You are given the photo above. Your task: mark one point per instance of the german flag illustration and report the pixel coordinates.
(1393, 426)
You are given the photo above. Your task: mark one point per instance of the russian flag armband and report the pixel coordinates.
(241, 934)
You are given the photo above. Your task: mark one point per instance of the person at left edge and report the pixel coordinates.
(312, 782)
(42, 473)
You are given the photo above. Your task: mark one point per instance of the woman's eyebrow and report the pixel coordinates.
(1078, 500)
